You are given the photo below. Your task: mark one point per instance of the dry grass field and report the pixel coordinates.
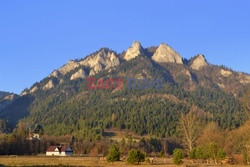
(83, 161)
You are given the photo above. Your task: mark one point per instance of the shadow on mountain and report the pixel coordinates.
(18, 110)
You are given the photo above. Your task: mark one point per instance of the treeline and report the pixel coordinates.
(17, 143)
(211, 145)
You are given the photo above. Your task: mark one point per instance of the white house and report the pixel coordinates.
(59, 151)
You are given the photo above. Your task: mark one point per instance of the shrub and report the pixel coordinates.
(245, 158)
(161, 154)
(135, 156)
(114, 154)
(192, 153)
(201, 153)
(221, 154)
(178, 155)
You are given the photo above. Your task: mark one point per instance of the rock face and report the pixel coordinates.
(104, 59)
(65, 69)
(165, 54)
(225, 73)
(49, 85)
(244, 79)
(7, 100)
(79, 74)
(61, 81)
(68, 67)
(132, 52)
(10, 97)
(35, 88)
(25, 92)
(55, 74)
(188, 74)
(221, 85)
(199, 62)
(3, 94)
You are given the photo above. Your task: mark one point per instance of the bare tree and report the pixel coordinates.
(190, 127)
(211, 133)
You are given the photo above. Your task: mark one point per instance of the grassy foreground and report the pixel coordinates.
(81, 161)
(61, 161)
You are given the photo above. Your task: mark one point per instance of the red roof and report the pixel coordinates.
(60, 148)
(53, 148)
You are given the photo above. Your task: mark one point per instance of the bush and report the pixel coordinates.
(161, 154)
(178, 155)
(245, 158)
(135, 156)
(214, 152)
(221, 154)
(201, 153)
(192, 153)
(114, 154)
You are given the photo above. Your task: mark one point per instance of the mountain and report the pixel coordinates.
(62, 103)
(6, 99)
(3, 94)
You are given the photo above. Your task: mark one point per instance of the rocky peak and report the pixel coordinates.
(199, 62)
(165, 53)
(132, 52)
(103, 59)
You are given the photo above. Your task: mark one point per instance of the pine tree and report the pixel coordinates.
(178, 155)
(135, 156)
(114, 154)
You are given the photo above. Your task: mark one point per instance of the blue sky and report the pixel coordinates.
(39, 36)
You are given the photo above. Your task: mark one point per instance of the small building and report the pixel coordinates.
(35, 132)
(59, 151)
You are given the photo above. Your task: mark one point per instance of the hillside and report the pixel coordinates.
(62, 103)
(6, 99)
(3, 94)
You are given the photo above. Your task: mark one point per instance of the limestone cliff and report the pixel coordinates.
(132, 52)
(225, 73)
(34, 89)
(199, 62)
(104, 59)
(165, 54)
(244, 78)
(49, 85)
(79, 74)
